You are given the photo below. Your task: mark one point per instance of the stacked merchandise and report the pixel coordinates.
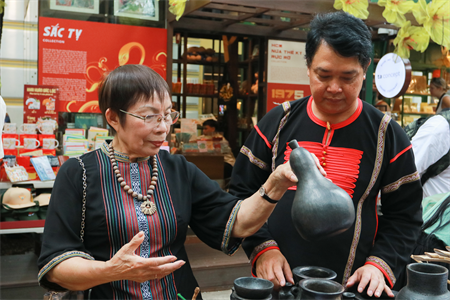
(74, 142)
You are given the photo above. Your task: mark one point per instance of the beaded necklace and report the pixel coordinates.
(148, 207)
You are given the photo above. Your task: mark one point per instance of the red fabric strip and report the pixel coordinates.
(382, 271)
(398, 155)
(263, 137)
(319, 122)
(258, 255)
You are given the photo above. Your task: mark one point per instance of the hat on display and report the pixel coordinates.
(43, 199)
(17, 198)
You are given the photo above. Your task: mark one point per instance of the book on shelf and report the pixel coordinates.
(43, 168)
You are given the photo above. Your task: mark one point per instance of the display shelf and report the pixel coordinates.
(419, 113)
(37, 184)
(198, 62)
(14, 227)
(417, 94)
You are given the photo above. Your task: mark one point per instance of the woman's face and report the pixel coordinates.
(436, 91)
(139, 139)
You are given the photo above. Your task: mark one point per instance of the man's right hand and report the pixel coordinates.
(273, 266)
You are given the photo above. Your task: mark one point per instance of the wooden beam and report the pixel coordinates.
(304, 21)
(190, 7)
(244, 17)
(301, 6)
(240, 8)
(281, 14)
(212, 15)
(207, 26)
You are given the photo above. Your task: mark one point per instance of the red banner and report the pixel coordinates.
(277, 93)
(40, 101)
(75, 55)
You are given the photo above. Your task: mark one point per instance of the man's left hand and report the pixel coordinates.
(370, 274)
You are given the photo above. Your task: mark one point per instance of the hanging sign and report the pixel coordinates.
(287, 77)
(392, 75)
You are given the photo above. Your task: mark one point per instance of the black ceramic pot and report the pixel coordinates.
(324, 289)
(313, 272)
(320, 208)
(252, 288)
(425, 281)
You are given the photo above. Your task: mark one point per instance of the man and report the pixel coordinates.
(362, 150)
(431, 144)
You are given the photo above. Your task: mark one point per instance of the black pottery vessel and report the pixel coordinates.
(425, 281)
(245, 288)
(323, 289)
(312, 272)
(320, 208)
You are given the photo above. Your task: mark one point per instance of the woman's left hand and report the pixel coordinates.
(126, 265)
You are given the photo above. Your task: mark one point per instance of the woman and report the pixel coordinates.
(133, 240)
(438, 89)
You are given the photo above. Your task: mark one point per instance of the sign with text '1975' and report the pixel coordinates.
(287, 77)
(392, 75)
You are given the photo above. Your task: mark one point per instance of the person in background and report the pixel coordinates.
(431, 146)
(438, 89)
(140, 202)
(210, 127)
(362, 151)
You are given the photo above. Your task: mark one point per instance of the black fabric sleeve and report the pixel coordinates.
(401, 197)
(61, 238)
(213, 211)
(252, 168)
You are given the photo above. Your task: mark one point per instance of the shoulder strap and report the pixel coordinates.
(83, 209)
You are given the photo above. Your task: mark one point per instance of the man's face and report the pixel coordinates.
(335, 84)
(208, 130)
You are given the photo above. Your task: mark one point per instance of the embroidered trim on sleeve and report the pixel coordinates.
(396, 185)
(275, 141)
(253, 159)
(226, 247)
(61, 258)
(262, 247)
(358, 220)
(384, 268)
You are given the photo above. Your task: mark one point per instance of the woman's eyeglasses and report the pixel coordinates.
(155, 120)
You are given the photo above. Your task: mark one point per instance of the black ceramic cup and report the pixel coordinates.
(305, 272)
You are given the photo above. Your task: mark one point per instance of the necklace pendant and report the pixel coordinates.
(148, 207)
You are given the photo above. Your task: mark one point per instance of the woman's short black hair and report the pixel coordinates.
(346, 34)
(128, 84)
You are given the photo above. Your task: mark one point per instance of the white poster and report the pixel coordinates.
(286, 62)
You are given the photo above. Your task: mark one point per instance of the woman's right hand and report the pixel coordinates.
(126, 265)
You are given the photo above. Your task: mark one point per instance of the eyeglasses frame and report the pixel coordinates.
(162, 117)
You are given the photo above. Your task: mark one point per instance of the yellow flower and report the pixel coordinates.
(410, 37)
(357, 8)
(438, 22)
(395, 10)
(177, 7)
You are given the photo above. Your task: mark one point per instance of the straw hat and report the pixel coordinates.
(17, 198)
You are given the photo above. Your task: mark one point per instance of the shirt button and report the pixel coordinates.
(324, 152)
(324, 164)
